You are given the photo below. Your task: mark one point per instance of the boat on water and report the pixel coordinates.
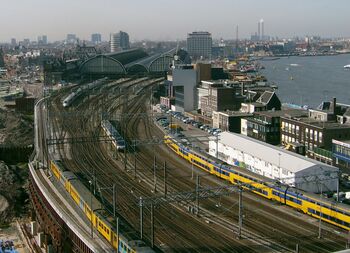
(269, 58)
(294, 65)
(347, 66)
(248, 69)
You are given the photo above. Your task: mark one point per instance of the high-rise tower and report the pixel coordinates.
(119, 41)
(199, 45)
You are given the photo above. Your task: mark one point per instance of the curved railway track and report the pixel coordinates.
(192, 233)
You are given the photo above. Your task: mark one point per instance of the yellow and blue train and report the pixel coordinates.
(330, 211)
(82, 197)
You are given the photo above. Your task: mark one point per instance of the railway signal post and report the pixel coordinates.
(165, 181)
(240, 212)
(152, 225)
(154, 174)
(141, 217)
(197, 194)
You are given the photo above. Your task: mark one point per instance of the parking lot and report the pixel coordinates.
(191, 132)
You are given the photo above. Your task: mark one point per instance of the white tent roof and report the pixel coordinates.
(269, 153)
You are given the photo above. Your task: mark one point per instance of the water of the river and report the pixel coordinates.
(310, 80)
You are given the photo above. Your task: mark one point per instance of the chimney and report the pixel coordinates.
(334, 105)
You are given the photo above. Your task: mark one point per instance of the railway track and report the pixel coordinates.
(192, 232)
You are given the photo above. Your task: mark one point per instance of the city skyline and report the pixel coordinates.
(167, 20)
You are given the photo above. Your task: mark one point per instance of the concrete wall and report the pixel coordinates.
(188, 79)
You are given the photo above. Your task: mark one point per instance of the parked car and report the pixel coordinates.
(161, 118)
(185, 119)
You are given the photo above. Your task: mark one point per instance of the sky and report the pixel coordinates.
(172, 20)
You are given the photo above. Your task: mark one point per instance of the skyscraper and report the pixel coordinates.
(13, 42)
(96, 38)
(26, 42)
(71, 38)
(119, 41)
(199, 45)
(44, 39)
(262, 30)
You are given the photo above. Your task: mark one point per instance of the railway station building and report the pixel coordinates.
(273, 162)
(133, 61)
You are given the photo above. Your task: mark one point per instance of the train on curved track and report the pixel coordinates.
(111, 131)
(75, 94)
(329, 211)
(91, 209)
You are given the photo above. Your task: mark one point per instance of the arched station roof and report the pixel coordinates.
(128, 56)
(102, 64)
(153, 63)
(128, 61)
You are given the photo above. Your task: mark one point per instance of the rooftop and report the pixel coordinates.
(287, 112)
(236, 113)
(269, 153)
(320, 124)
(342, 142)
(128, 56)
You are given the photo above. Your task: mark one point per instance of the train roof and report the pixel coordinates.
(85, 194)
(59, 165)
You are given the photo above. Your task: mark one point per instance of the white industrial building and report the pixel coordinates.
(274, 162)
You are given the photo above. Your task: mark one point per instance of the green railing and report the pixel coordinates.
(323, 152)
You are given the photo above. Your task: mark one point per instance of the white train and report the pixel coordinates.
(112, 132)
(75, 94)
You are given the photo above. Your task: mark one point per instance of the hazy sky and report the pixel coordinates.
(165, 19)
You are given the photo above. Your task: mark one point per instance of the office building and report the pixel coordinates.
(265, 125)
(26, 42)
(119, 41)
(183, 82)
(229, 121)
(216, 96)
(341, 154)
(317, 130)
(13, 42)
(44, 39)
(199, 45)
(71, 38)
(96, 38)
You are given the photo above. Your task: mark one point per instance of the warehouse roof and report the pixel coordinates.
(271, 154)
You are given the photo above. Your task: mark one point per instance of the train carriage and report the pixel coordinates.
(335, 213)
(55, 168)
(111, 131)
(92, 210)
